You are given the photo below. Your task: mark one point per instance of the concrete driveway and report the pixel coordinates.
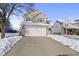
(39, 46)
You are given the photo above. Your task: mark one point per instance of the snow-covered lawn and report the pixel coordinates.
(8, 42)
(11, 34)
(70, 40)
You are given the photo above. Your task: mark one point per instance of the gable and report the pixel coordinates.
(34, 14)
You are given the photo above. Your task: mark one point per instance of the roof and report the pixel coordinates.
(29, 12)
(77, 20)
(34, 24)
(72, 26)
(35, 10)
(59, 22)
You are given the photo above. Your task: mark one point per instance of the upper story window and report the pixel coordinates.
(41, 19)
(28, 19)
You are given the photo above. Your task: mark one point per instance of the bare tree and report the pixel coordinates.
(7, 9)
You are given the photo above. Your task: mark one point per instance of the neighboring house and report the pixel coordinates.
(58, 28)
(66, 28)
(35, 24)
(72, 28)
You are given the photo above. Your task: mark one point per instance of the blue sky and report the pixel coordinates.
(59, 11)
(55, 11)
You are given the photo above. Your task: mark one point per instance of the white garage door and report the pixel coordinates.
(35, 31)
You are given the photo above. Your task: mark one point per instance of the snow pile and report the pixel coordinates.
(11, 34)
(70, 40)
(7, 43)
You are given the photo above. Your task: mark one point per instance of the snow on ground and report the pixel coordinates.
(11, 34)
(8, 42)
(70, 40)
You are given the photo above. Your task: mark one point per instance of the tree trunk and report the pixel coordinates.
(2, 32)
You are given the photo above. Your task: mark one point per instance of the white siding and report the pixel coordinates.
(35, 31)
(35, 16)
(58, 28)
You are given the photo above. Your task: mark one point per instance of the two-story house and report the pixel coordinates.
(35, 24)
(66, 27)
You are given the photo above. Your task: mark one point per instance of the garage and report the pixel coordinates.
(35, 29)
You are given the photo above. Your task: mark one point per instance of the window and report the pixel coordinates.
(49, 29)
(28, 19)
(40, 19)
